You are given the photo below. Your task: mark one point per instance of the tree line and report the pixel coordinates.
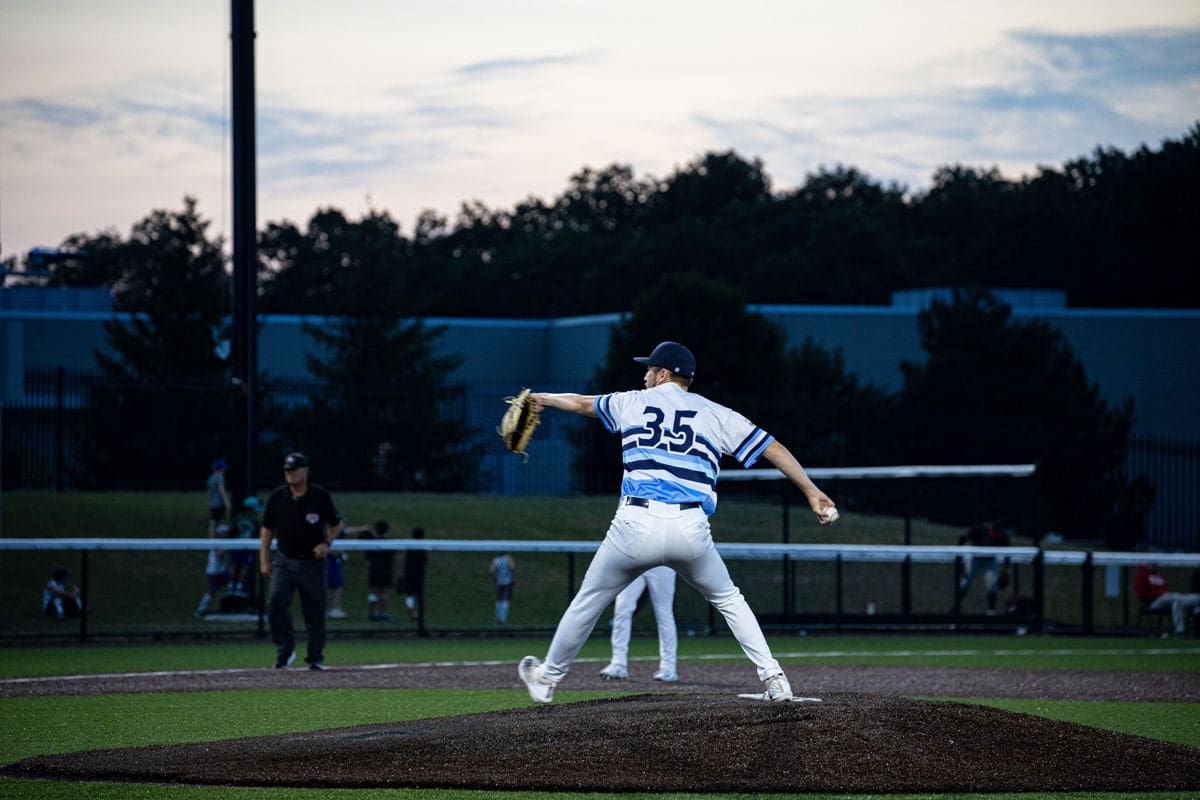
(684, 256)
(1112, 228)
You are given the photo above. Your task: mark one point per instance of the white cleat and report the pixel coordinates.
(666, 677)
(778, 689)
(540, 689)
(614, 672)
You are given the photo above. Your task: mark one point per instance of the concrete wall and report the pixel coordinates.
(1148, 355)
(1152, 356)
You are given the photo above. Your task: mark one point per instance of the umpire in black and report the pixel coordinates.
(301, 516)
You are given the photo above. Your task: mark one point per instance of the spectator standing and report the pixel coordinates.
(241, 562)
(504, 574)
(60, 597)
(1151, 589)
(414, 579)
(660, 582)
(336, 582)
(303, 519)
(218, 497)
(380, 565)
(215, 571)
(985, 534)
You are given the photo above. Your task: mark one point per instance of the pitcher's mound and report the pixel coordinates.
(674, 742)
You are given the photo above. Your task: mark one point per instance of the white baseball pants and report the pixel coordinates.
(660, 582)
(1180, 604)
(641, 538)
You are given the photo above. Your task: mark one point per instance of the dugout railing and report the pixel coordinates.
(903, 480)
(1037, 561)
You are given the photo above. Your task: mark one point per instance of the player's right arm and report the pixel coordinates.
(575, 403)
(786, 463)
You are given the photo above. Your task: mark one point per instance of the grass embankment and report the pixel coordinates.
(140, 589)
(133, 591)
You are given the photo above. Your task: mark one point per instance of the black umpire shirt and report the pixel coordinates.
(299, 522)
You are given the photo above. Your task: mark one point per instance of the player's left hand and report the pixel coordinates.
(321, 550)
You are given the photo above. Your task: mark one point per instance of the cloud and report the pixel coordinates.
(1129, 58)
(62, 116)
(438, 115)
(508, 66)
(1060, 96)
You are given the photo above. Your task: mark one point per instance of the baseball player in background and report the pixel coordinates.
(660, 583)
(672, 443)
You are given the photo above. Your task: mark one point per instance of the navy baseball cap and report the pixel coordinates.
(672, 356)
(295, 461)
(220, 464)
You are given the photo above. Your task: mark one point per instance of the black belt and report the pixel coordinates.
(642, 502)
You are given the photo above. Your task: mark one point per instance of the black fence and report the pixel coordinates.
(1173, 467)
(40, 431)
(86, 430)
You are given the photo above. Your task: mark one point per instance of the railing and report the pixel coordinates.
(838, 554)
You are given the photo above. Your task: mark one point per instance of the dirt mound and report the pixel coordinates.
(674, 742)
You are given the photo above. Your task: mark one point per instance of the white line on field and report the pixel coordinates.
(1063, 651)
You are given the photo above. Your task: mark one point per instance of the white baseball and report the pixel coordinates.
(829, 515)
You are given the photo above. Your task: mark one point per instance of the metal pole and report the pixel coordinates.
(245, 260)
(59, 426)
(906, 567)
(1039, 591)
(260, 602)
(1086, 595)
(787, 565)
(83, 595)
(421, 632)
(1124, 597)
(570, 577)
(958, 597)
(838, 592)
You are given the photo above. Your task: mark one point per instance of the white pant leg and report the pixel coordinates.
(991, 576)
(1181, 606)
(691, 552)
(633, 543)
(622, 621)
(661, 582)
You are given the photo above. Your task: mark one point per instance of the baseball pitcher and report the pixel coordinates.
(672, 443)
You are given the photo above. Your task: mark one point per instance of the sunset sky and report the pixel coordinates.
(109, 109)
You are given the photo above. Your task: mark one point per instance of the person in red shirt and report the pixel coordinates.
(1151, 588)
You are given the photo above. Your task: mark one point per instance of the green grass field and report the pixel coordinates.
(157, 591)
(64, 724)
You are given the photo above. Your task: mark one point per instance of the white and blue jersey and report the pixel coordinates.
(672, 442)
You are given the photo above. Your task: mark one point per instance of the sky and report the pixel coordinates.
(112, 108)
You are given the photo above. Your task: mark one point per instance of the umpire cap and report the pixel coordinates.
(295, 461)
(672, 356)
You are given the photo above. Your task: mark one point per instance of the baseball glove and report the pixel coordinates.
(519, 422)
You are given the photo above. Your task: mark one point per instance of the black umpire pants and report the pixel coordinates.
(288, 576)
